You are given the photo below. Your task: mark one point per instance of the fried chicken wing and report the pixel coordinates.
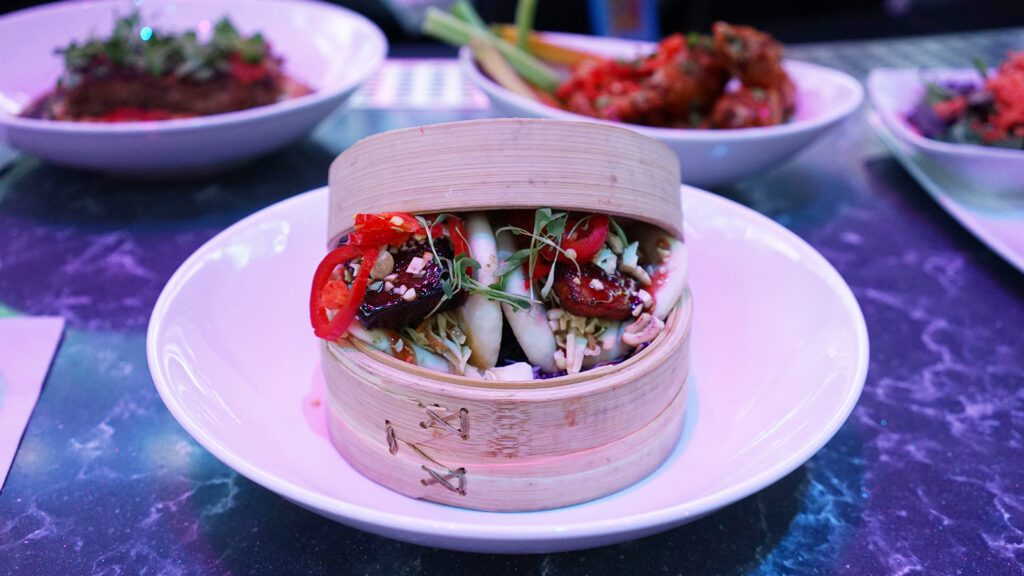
(683, 83)
(676, 82)
(751, 55)
(749, 108)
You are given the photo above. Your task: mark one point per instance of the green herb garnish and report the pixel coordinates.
(142, 49)
(934, 93)
(548, 228)
(698, 40)
(980, 66)
(618, 231)
(459, 277)
(458, 27)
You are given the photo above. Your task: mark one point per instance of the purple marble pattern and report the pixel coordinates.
(925, 478)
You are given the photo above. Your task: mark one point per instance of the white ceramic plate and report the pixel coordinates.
(327, 47)
(995, 219)
(708, 157)
(780, 352)
(896, 91)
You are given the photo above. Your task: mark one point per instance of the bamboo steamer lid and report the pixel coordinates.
(507, 163)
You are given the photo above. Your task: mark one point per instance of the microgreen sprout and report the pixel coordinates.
(548, 228)
(459, 275)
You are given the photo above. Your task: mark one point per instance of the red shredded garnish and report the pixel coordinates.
(246, 72)
(950, 110)
(1007, 88)
(136, 115)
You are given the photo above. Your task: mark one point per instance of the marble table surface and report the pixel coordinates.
(926, 477)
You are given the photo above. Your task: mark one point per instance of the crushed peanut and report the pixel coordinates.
(646, 298)
(382, 266)
(416, 265)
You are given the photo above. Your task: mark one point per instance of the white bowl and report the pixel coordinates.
(708, 157)
(779, 345)
(895, 92)
(995, 219)
(327, 47)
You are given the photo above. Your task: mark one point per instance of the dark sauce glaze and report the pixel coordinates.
(593, 293)
(384, 308)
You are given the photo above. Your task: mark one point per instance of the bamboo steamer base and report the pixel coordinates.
(500, 449)
(514, 485)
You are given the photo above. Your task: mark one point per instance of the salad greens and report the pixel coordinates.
(140, 48)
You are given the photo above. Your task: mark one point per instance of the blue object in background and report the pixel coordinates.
(636, 19)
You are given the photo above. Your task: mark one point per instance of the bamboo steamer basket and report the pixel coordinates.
(508, 446)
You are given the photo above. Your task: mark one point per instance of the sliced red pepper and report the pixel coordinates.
(540, 269)
(585, 240)
(326, 294)
(334, 295)
(386, 228)
(457, 234)
(451, 227)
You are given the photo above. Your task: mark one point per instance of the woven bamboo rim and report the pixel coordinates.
(507, 164)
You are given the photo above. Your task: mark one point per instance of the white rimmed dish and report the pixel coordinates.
(708, 157)
(780, 354)
(995, 219)
(894, 92)
(330, 48)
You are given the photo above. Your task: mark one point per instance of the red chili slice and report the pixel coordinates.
(587, 239)
(540, 269)
(457, 234)
(583, 239)
(386, 228)
(318, 300)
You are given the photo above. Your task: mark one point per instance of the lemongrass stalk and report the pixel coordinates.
(544, 50)
(452, 30)
(464, 11)
(498, 68)
(525, 11)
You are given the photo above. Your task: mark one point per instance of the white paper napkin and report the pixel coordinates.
(27, 346)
